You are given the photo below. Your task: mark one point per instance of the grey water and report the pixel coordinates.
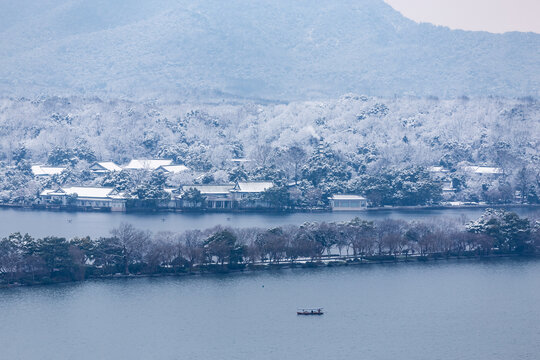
(468, 309)
(95, 224)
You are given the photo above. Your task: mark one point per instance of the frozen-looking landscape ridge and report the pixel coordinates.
(276, 50)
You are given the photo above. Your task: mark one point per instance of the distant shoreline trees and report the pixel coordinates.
(130, 251)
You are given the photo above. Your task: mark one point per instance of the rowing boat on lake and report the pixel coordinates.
(314, 311)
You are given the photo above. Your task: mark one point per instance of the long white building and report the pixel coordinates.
(92, 198)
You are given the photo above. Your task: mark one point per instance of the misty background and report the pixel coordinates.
(268, 50)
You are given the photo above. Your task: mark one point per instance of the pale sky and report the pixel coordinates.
(488, 15)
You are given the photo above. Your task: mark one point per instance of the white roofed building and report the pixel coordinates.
(447, 187)
(147, 164)
(437, 169)
(484, 170)
(248, 193)
(348, 202)
(252, 187)
(103, 167)
(84, 197)
(172, 169)
(442, 176)
(217, 196)
(241, 161)
(41, 170)
(242, 195)
(211, 189)
(438, 172)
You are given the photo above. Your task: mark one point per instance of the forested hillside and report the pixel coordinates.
(351, 144)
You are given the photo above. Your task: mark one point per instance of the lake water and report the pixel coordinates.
(440, 310)
(70, 224)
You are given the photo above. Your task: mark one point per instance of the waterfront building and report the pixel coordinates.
(348, 202)
(244, 188)
(83, 197)
(217, 196)
(248, 194)
(242, 195)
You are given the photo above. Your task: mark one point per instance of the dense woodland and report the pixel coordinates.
(24, 259)
(374, 146)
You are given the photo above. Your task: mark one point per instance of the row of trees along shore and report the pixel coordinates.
(27, 260)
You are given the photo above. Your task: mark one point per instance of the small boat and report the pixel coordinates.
(314, 311)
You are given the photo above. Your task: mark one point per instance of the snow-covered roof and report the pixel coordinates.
(51, 192)
(347, 197)
(119, 195)
(484, 169)
(40, 170)
(447, 187)
(82, 192)
(437, 169)
(107, 165)
(174, 169)
(147, 164)
(253, 186)
(210, 189)
(240, 160)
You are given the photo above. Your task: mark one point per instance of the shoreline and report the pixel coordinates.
(266, 211)
(286, 265)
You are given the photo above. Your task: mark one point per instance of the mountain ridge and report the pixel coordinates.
(274, 50)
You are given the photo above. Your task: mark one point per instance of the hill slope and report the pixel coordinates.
(275, 49)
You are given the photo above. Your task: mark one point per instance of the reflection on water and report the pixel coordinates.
(440, 310)
(70, 224)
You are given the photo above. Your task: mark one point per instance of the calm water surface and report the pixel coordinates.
(70, 224)
(444, 310)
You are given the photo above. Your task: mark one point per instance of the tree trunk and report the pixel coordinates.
(126, 266)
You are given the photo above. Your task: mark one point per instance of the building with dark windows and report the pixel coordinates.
(348, 202)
